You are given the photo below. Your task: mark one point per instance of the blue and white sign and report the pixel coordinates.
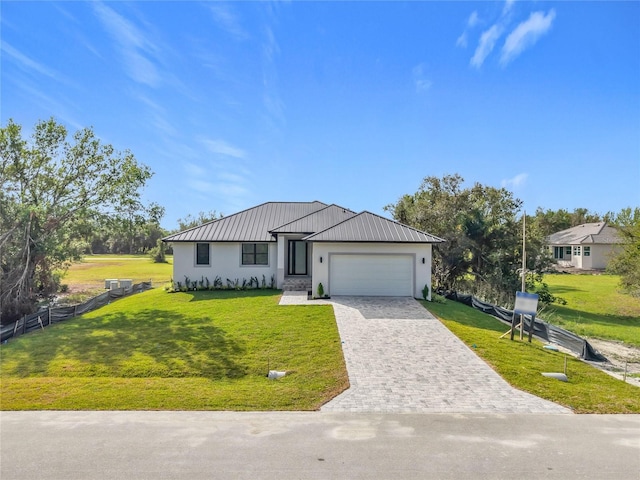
(526, 303)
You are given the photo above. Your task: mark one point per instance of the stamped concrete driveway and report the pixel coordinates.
(401, 359)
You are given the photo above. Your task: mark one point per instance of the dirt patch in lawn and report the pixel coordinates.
(620, 356)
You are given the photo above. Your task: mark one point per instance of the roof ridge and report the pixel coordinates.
(312, 213)
(334, 226)
(436, 239)
(403, 225)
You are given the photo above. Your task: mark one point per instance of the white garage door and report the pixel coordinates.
(374, 275)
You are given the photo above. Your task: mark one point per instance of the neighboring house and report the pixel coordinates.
(587, 246)
(303, 244)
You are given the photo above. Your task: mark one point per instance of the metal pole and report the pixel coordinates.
(524, 269)
(524, 252)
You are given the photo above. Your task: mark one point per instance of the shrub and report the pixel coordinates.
(158, 253)
(425, 292)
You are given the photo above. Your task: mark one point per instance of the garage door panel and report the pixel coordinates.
(376, 275)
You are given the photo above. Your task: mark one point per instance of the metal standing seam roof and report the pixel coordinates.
(369, 227)
(587, 233)
(317, 221)
(251, 225)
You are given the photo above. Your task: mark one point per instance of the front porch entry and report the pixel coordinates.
(298, 277)
(298, 257)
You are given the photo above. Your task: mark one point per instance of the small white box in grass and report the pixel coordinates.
(107, 283)
(126, 282)
(274, 374)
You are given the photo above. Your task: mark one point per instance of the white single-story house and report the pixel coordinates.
(586, 247)
(302, 244)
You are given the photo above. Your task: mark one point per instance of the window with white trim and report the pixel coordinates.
(255, 254)
(202, 254)
(567, 251)
(587, 251)
(576, 250)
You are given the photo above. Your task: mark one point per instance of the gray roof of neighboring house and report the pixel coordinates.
(368, 227)
(316, 221)
(587, 233)
(251, 225)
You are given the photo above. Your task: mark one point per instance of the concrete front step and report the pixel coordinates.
(296, 284)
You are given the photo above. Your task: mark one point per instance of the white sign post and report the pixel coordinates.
(526, 304)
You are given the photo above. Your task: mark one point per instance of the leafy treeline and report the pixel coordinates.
(51, 188)
(61, 198)
(134, 232)
(627, 262)
(482, 226)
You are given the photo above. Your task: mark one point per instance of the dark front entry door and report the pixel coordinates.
(297, 257)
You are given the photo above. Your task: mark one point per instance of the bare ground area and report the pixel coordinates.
(620, 356)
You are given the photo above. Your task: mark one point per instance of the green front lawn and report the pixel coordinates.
(180, 351)
(520, 363)
(595, 307)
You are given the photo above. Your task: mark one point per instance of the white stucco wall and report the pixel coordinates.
(601, 254)
(225, 262)
(422, 271)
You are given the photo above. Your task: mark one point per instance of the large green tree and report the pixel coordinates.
(627, 262)
(552, 221)
(482, 227)
(49, 186)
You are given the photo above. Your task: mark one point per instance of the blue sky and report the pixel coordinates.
(354, 103)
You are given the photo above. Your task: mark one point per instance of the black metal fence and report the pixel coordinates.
(49, 316)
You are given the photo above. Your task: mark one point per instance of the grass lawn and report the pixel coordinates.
(595, 307)
(94, 269)
(520, 363)
(180, 351)
(85, 279)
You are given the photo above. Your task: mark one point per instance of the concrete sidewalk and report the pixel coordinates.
(401, 359)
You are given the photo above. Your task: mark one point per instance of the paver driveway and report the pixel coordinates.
(400, 358)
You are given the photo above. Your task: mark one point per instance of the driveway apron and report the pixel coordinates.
(401, 359)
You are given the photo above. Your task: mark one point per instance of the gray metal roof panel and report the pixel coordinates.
(369, 227)
(586, 233)
(316, 221)
(251, 225)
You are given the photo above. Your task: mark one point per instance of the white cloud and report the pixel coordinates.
(201, 186)
(226, 19)
(473, 19)
(274, 106)
(515, 182)
(508, 5)
(526, 34)
(462, 40)
(27, 63)
(134, 46)
(194, 170)
(221, 147)
(488, 40)
(230, 189)
(420, 79)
